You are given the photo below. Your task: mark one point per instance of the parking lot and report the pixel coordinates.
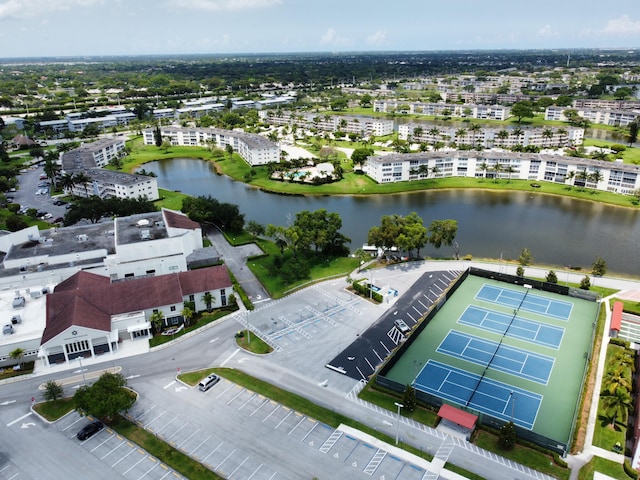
(117, 453)
(298, 446)
(33, 193)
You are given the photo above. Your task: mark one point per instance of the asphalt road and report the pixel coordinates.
(26, 194)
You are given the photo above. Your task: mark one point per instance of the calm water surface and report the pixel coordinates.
(558, 231)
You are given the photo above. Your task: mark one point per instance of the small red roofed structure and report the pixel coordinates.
(616, 319)
(457, 416)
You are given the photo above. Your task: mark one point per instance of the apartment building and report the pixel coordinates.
(614, 118)
(254, 149)
(613, 177)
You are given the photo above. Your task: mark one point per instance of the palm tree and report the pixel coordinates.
(187, 314)
(547, 133)
(510, 170)
(157, 319)
(82, 178)
(208, 300)
(51, 168)
(497, 168)
(618, 404)
(475, 128)
(484, 167)
(67, 182)
(517, 132)
(502, 135)
(570, 176)
(435, 170)
(562, 134)
(461, 132)
(615, 379)
(17, 354)
(596, 177)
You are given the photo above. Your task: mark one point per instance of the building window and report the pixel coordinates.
(173, 308)
(192, 298)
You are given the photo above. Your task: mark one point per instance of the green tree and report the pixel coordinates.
(157, 136)
(409, 398)
(208, 300)
(523, 109)
(187, 314)
(551, 277)
(599, 267)
(525, 258)
(443, 232)
(617, 378)
(157, 320)
(360, 155)
(632, 135)
(105, 398)
(17, 354)
(520, 271)
(52, 391)
(507, 436)
(618, 405)
(585, 283)
(255, 228)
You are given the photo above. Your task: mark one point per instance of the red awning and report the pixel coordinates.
(458, 416)
(616, 316)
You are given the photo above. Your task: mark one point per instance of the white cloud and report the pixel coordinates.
(622, 26)
(379, 38)
(32, 8)
(546, 32)
(219, 5)
(331, 37)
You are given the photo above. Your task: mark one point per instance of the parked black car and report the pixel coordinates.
(90, 430)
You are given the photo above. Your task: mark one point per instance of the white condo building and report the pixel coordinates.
(254, 149)
(615, 176)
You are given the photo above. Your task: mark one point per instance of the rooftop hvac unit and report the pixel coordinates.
(145, 234)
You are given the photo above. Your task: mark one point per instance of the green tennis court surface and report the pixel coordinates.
(535, 344)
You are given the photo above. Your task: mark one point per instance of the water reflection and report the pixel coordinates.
(558, 230)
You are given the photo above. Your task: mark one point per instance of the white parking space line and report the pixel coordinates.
(169, 384)
(155, 464)
(113, 449)
(229, 357)
(169, 472)
(212, 452)
(238, 467)
(248, 400)
(100, 444)
(166, 424)
(425, 306)
(272, 412)
(361, 374)
(281, 421)
(255, 471)
(225, 459)
(156, 418)
(235, 396)
(265, 401)
(274, 474)
(385, 347)
(125, 456)
(417, 311)
(69, 426)
(199, 445)
(136, 464)
(174, 433)
(379, 357)
(145, 412)
(231, 385)
(296, 426)
(189, 438)
(369, 363)
(309, 432)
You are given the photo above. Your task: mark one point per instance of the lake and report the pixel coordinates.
(558, 231)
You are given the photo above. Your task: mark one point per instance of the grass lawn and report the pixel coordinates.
(605, 435)
(170, 199)
(630, 155)
(252, 343)
(524, 455)
(204, 319)
(55, 409)
(628, 305)
(602, 465)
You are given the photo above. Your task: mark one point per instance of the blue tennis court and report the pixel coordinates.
(480, 394)
(521, 328)
(504, 358)
(532, 303)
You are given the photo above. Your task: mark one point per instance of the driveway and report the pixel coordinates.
(235, 258)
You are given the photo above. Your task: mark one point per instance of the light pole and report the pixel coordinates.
(399, 405)
(84, 380)
(512, 397)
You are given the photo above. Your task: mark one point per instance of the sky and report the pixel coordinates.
(53, 28)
